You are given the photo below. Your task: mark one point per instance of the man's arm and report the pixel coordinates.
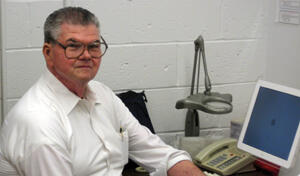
(185, 168)
(48, 160)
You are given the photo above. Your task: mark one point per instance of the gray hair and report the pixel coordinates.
(69, 15)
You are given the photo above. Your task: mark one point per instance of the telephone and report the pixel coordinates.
(223, 157)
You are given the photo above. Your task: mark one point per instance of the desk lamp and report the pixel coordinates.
(209, 102)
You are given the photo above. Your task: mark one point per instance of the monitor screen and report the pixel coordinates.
(271, 127)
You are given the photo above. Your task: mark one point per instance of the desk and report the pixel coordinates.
(255, 173)
(132, 172)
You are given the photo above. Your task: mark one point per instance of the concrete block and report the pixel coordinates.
(25, 20)
(169, 20)
(161, 108)
(171, 138)
(215, 134)
(23, 69)
(227, 62)
(139, 66)
(17, 27)
(247, 21)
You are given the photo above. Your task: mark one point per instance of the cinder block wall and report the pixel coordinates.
(151, 48)
(1, 48)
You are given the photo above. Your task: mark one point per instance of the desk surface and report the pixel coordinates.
(132, 172)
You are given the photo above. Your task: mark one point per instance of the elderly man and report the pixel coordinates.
(67, 124)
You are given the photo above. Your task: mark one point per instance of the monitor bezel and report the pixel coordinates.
(257, 152)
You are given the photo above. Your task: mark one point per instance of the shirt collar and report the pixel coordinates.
(91, 95)
(67, 99)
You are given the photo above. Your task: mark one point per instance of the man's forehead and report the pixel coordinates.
(79, 32)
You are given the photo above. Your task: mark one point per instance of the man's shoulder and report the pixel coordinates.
(33, 118)
(31, 108)
(30, 115)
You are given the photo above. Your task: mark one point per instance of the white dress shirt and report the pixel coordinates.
(52, 132)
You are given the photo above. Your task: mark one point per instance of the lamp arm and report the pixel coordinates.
(206, 76)
(197, 48)
(207, 80)
(198, 72)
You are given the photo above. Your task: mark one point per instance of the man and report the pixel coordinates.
(68, 125)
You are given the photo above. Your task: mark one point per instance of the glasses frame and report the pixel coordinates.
(85, 47)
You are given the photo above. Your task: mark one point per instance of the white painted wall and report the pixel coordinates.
(283, 52)
(151, 48)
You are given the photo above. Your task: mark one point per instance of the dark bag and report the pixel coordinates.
(135, 102)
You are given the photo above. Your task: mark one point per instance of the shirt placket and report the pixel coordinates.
(96, 125)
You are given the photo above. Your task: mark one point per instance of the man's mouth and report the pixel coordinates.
(83, 66)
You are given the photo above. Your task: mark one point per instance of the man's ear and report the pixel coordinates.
(46, 49)
(47, 52)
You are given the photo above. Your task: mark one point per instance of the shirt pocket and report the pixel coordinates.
(124, 146)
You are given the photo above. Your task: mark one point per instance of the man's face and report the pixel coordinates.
(73, 71)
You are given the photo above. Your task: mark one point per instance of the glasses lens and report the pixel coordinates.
(94, 49)
(74, 50)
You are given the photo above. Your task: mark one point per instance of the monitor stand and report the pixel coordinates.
(267, 166)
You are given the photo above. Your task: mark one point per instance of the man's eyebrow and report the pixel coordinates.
(71, 40)
(96, 41)
(75, 41)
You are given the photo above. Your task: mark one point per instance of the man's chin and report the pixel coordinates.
(85, 74)
(85, 77)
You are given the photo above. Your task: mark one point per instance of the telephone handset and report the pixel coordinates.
(223, 157)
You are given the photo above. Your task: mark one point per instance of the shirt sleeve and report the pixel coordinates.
(48, 160)
(146, 148)
(152, 153)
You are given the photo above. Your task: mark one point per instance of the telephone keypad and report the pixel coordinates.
(218, 160)
(229, 162)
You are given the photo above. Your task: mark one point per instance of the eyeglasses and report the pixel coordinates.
(75, 49)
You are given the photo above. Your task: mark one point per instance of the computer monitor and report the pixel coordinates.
(271, 127)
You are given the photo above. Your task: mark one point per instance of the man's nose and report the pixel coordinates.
(85, 54)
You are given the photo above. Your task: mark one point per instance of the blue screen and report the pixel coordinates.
(273, 123)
